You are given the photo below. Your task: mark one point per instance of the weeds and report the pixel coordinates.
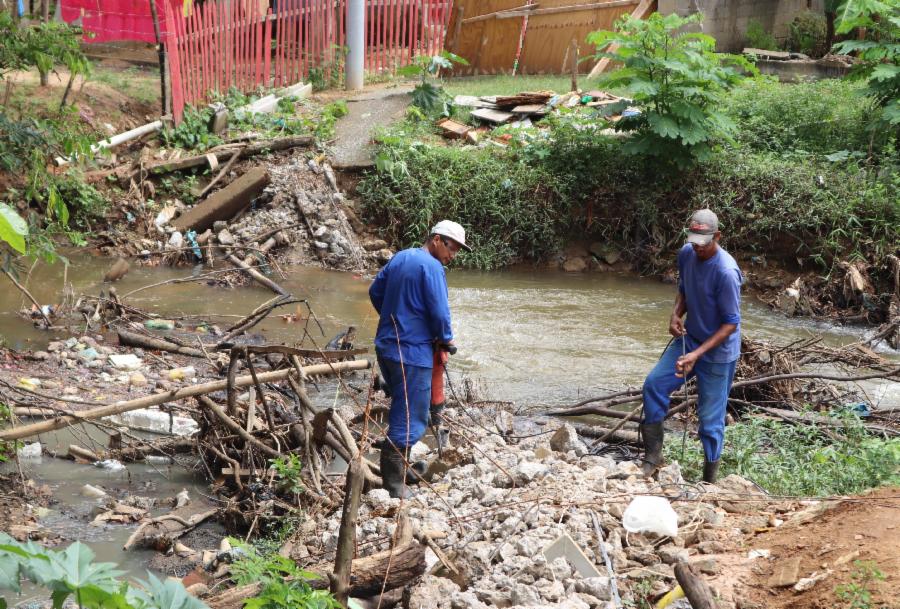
(810, 118)
(798, 459)
(759, 38)
(288, 469)
(284, 584)
(857, 594)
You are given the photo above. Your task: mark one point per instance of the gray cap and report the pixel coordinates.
(703, 227)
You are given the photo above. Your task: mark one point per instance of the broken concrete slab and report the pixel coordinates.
(493, 116)
(226, 203)
(564, 546)
(471, 101)
(786, 574)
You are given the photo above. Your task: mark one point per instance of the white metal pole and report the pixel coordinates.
(356, 44)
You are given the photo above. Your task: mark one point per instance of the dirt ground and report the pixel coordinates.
(865, 529)
(111, 100)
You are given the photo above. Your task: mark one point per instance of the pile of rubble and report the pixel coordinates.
(523, 523)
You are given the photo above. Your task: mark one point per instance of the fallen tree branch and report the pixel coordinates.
(132, 339)
(25, 431)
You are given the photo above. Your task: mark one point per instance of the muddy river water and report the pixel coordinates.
(534, 337)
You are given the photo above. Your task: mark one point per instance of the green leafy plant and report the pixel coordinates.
(759, 38)
(7, 449)
(284, 584)
(428, 95)
(73, 573)
(799, 459)
(857, 594)
(328, 74)
(807, 34)
(288, 469)
(192, 133)
(878, 53)
(676, 79)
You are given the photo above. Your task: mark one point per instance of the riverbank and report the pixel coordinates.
(803, 190)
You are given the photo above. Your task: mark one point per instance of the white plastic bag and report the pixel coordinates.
(650, 515)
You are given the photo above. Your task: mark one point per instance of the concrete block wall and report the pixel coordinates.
(727, 20)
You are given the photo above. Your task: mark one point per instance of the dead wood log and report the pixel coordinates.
(256, 275)
(132, 339)
(235, 427)
(26, 431)
(695, 589)
(221, 173)
(77, 452)
(124, 173)
(340, 579)
(168, 526)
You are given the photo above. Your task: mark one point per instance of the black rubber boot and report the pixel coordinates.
(415, 472)
(393, 471)
(653, 434)
(710, 471)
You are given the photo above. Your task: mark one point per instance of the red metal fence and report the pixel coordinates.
(250, 43)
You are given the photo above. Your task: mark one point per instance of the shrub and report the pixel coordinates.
(807, 34)
(811, 117)
(510, 209)
(73, 572)
(879, 53)
(676, 79)
(759, 38)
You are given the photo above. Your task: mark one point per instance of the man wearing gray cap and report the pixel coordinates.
(706, 345)
(410, 295)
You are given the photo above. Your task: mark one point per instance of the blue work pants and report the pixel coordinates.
(713, 386)
(410, 388)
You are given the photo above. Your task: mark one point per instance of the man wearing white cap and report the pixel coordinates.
(706, 345)
(410, 295)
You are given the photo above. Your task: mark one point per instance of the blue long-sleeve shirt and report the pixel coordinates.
(410, 295)
(712, 293)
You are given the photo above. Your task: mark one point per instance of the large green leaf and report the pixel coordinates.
(665, 126)
(166, 594)
(9, 571)
(13, 228)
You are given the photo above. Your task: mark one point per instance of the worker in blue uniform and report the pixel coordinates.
(410, 295)
(706, 330)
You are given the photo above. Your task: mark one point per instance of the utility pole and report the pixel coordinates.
(356, 43)
(161, 50)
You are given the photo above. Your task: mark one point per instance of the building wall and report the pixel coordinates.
(727, 20)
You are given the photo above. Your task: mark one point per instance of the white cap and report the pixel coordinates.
(449, 228)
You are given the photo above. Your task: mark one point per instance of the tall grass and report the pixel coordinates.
(798, 460)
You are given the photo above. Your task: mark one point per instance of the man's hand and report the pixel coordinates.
(685, 364)
(676, 326)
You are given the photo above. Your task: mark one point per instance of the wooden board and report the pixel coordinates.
(486, 33)
(492, 116)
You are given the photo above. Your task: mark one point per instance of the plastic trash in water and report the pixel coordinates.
(29, 383)
(125, 361)
(860, 409)
(30, 452)
(179, 374)
(89, 354)
(191, 237)
(630, 112)
(650, 515)
(112, 465)
(159, 324)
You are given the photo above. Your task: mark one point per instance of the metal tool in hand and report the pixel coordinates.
(437, 392)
